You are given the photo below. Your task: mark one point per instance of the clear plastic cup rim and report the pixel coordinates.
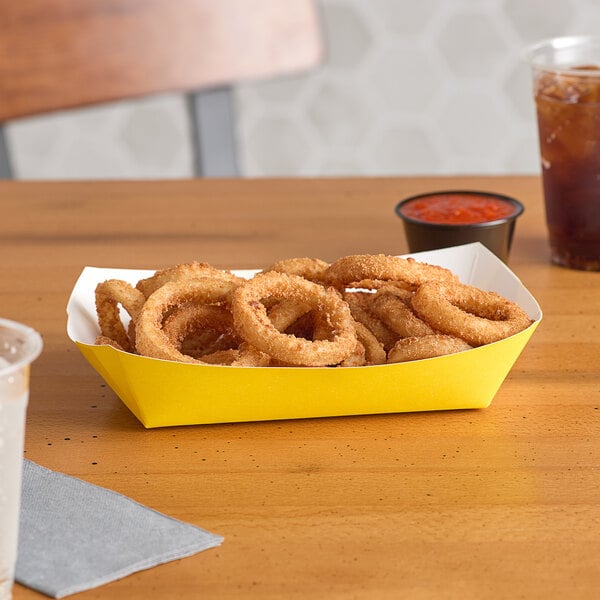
(32, 346)
(534, 54)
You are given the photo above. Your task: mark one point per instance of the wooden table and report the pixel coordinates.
(495, 503)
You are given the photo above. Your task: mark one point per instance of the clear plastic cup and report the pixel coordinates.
(566, 86)
(19, 347)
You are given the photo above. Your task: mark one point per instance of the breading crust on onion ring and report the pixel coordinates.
(312, 269)
(393, 306)
(374, 351)
(102, 340)
(378, 269)
(185, 271)
(427, 346)
(362, 311)
(200, 329)
(285, 313)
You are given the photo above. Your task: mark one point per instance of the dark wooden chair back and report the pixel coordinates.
(61, 54)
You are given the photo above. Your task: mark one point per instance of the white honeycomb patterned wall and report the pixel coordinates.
(406, 88)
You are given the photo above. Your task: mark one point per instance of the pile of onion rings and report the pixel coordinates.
(357, 311)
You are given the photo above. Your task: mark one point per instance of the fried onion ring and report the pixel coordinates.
(358, 357)
(427, 346)
(359, 269)
(221, 357)
(479, 317)
(359, 310)
(200, 329)
(393, 306)
(102, 340)
(285, 313)
(360, 307)
(109, 295)
(312, 269)
(374, 352)
(253, 324)
(185, 271)
(151, 339)
(244, 356)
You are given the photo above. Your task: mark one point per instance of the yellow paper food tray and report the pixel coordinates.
(162, 393)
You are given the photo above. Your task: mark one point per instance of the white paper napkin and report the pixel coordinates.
(75, 536)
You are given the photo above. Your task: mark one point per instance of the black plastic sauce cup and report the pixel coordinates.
(496, 235)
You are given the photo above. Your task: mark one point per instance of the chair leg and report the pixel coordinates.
(214, 139)
(5, 167)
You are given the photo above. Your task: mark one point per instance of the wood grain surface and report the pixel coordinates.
(495, 503)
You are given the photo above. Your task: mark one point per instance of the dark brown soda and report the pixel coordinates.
(568, 109)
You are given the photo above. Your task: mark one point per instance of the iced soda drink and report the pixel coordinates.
(567, 97)
(19, 346)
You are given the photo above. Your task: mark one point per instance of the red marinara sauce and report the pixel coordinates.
(457, 209)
